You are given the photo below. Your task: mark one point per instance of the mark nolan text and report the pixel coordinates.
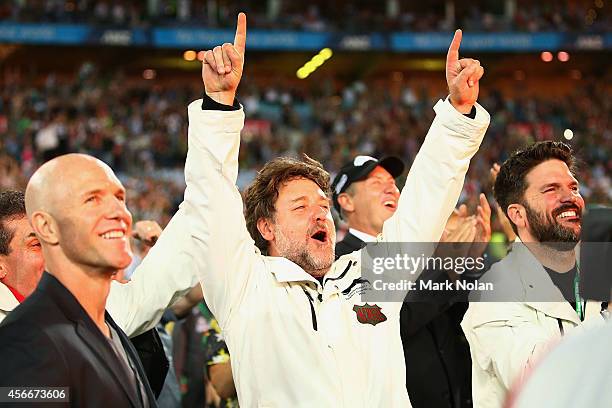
(405, 284)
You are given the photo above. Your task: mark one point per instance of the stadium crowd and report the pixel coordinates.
(139, 129)
(346, 16)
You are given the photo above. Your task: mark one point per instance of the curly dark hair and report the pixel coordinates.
(260, 197)
(511, 182)
(12, 206)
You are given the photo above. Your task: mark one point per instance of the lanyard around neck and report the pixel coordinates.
(579, 300)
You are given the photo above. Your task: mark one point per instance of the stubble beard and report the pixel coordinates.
(299, 254)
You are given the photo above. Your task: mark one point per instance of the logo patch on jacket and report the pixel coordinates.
(369, 314)
(358, 287)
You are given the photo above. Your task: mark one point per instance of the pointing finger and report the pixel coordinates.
(453, 51)
(240, 38)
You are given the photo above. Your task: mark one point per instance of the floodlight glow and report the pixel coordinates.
(326, 53)
(318, 60)
(189, 55)
(314, 63)
(563, 56)
(302, 73)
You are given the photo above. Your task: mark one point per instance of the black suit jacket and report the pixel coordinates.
(438, 365)
(349, 244)
(596, 254)
(153, 358)
(49, 340)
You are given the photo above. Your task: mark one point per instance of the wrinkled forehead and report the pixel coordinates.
(299, 189)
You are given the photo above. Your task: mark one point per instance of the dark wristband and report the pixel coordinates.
(210, 104)
(472, 114)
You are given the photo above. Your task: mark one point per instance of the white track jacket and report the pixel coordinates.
(294, 342)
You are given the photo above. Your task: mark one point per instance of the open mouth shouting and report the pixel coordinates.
(320, 235)
(390, 204)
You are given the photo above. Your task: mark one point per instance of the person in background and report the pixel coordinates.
(436, 354)
(219, 367)
(365, 195)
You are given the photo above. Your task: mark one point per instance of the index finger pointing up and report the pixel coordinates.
(240, 38)
(453, 51)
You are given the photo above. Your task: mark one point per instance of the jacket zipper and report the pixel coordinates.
(312, 310)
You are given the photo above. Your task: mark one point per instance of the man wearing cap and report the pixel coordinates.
(365, 195)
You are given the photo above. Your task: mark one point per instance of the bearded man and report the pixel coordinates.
(536, 294)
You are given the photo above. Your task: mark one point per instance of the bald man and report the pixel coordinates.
(61, 335)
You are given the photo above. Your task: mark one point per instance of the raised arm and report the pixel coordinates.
(436, 177)
(224, 250)
(207, 239)
(166, 273)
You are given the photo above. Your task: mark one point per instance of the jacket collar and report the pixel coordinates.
(361, 236)
(287, 271)
(89, 332)
(540, 291)
(353, 242)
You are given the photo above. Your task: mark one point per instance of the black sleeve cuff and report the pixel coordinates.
(210, 104)
(472, 114)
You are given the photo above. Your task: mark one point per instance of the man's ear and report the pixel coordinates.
(3, 268)
(518, 215)
(265, 228)
(45, 228)
(346, 202)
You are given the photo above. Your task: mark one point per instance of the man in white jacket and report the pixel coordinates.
(536, 289)
(297, 337)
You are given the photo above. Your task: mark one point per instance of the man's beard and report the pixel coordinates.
(298, 254)
(551, 233)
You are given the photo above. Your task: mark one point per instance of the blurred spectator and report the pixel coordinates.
(140, 129)
(320, 15)
(218, 366)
